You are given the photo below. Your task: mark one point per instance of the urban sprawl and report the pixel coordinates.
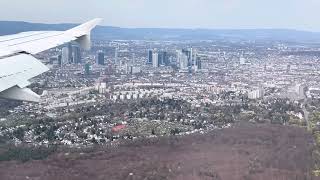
(145, 89)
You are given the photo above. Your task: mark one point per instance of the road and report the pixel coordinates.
(306, 112)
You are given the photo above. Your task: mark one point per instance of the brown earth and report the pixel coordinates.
(246, 152)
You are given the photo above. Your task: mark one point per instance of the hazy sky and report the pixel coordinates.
(294, 14)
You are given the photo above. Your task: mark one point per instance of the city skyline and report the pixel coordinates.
(161, 89)
(206, 14)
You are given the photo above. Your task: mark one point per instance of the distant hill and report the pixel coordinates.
(108, 32)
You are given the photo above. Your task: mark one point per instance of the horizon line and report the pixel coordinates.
(172, 28)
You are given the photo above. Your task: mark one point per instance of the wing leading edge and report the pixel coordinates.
(17, 65)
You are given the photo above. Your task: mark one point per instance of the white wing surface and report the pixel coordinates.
(17, 64)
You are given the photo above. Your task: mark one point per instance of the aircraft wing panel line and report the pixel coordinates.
(22, 68)
(34, 40)
(26, 36)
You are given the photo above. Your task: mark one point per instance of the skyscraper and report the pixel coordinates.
(60, 60)
(65, 55)
(76, 54)
(133, 61)
(70, 59)
(163, 58)
(188, 54)
(191, 57)
(194, 57)
(182, 60)
(100, 59)
(198, 63)
(166, 59)
(178, 58)
(160, 58)
(150, 53)
(155, 60)
(87, 69)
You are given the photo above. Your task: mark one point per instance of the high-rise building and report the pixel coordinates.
(70, 59)
(155, 60)
(160, 58)
(182, 60)
(116, 55)
(188, 54)
(198, 63)
(100, 59)
(76, 54)
(256, 94)
(194, 58)
(242, 60)
(133, 61)
(191, 63)
(163, 58)
(166, 60)
(87, 69)
(150, 55)
(299, 89)
(65, 55)
(60, 60)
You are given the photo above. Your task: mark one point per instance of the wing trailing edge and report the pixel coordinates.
(20, 94)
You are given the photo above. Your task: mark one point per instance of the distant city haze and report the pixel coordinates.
(211, 14)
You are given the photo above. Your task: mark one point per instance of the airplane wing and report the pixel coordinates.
(18, 65)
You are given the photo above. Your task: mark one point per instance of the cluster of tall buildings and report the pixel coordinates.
(158, 58)
(256, 94)
(187, 59)
(299, 89)
(295, 92)
(70, 54)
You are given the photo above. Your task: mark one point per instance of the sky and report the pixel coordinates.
(212, 14)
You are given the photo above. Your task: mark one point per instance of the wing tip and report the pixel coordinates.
(98, 20)
(85, 28)
(93, 23)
